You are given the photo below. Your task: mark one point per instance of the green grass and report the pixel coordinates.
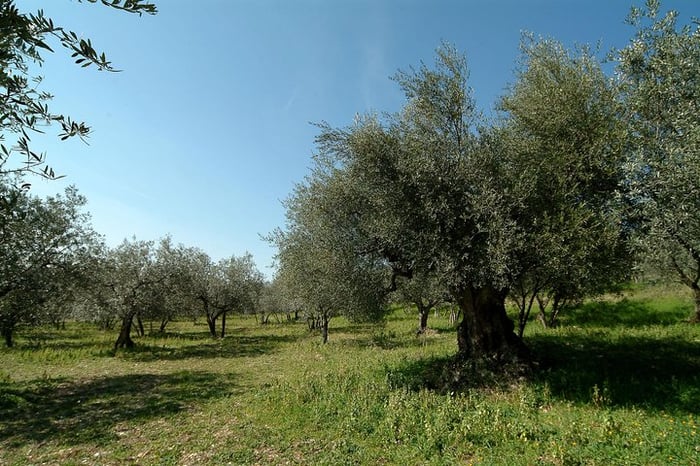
(618, 383)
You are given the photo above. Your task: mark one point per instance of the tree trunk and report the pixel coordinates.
(211, 322)
(525, 307)
(324, 328)
(696, 297)
(485, 330)
(223, 325)
(423, 313)
(124, 340)
(454, 315)
(139, 321)
(7, 335)
(163, 323)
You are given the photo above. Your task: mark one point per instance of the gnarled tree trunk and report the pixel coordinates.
(486, 331)
(696, 299)
(124, 340)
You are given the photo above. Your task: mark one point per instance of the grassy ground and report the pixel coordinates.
(618, 383)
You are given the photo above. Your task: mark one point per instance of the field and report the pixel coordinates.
(618, 383)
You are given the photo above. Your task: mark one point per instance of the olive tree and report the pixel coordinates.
(433, 190)
(231, 285)
(563, 110)
(125, 285)
(660, 84)
(425, 292)
(319, 264)
(45, 248)
(237, 287)
(168, 298)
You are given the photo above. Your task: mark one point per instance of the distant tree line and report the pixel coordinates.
(54, 267)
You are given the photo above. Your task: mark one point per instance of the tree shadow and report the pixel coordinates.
(233, 346)
(630, 313)
(431, 373)
(633, 372)
(88, 410)
(390, 339)
(652, 374)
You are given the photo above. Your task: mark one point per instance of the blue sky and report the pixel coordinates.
(207, 128)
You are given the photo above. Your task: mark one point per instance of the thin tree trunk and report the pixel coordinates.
(454, 315)
(485, 330)
(124, 340)
(423, 313)
(524, 313)
(223, 325)
(557, 304)
(696, 297)
(324, 328)
(163, 323)
(7, 335)
(542, 315)
(211, 322)
(139, 322)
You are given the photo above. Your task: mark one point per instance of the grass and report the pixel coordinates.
(618, 383)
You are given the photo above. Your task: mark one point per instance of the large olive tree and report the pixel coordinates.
(428, 192)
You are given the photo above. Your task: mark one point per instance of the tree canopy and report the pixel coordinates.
(46, 246)
(435, 189)
(660, 85)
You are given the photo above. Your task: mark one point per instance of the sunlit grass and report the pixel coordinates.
(618, 383)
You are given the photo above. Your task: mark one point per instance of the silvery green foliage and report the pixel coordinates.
(436, 191)
(659, 77)
(46, 246)
(24, 40)
(320, 265)
(563, 114)
(423, 191)
(213, 288)
(431, 193)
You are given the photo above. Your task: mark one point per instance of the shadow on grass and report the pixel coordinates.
(630, 313)
(646, 373)
(649, 373)
(389, 340)
(89, 411)
(232, 346)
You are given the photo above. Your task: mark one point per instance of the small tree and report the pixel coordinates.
(218, 288)
(237, 287)
(133, 278)
(425, 292)
(318, 263)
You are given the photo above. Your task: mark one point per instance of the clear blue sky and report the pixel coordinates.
(207, 129)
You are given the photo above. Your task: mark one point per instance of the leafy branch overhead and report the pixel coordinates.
(24, 107)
